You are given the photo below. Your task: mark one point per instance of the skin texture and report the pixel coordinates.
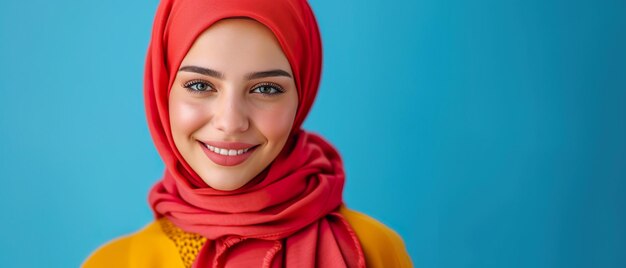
(234, 107)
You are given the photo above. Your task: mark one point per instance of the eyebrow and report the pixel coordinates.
(219, 75)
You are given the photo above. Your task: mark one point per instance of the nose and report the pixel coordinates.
(230, 114)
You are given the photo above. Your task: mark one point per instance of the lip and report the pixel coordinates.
(227, 160)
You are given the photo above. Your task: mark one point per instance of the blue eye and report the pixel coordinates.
(197, 86)
(268, 89)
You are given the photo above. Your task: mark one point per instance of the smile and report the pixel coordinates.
(227, 153)
(223, 151)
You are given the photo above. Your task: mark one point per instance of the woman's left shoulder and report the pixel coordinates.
(382, 246)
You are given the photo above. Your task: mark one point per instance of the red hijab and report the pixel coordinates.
(287, 215)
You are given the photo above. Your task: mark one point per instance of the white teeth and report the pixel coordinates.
(227, 152)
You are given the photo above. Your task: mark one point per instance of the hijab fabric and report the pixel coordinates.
(288, 214)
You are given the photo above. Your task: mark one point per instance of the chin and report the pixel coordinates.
(225, 186)
(224, 183)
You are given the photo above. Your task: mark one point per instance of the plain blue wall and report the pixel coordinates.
(487, 133)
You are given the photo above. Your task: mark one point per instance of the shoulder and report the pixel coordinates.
(148, 247)
(382, 246)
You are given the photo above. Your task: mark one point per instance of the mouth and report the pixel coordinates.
(227, 153)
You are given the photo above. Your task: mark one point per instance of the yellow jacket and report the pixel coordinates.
(161, 244)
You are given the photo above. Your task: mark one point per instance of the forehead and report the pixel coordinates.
(237, 43)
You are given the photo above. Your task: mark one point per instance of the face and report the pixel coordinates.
(233, 103)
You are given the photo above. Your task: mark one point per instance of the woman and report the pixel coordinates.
(227, 87)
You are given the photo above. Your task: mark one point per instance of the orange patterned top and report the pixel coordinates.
(162, 244)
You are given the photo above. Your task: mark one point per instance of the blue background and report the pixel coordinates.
(486, 133)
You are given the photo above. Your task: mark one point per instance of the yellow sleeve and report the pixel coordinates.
(382, 246)
(148, 247)
(113, 254)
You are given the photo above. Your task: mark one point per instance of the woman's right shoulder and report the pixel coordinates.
(148, 247)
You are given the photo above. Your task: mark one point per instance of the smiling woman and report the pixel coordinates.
(244, 186)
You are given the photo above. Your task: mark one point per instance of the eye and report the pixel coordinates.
(268, 89)
(198, 86)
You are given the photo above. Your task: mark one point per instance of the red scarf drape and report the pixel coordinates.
(287, 215)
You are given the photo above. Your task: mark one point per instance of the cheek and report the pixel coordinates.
(185, 117)
(275, 123)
